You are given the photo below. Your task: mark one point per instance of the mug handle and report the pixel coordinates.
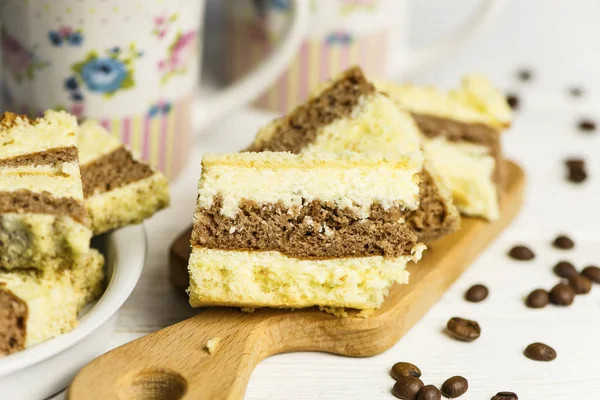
(211, 108)
(417, 58)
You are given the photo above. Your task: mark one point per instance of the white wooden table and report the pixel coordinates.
(558, 48)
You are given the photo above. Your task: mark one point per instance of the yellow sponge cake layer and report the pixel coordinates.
(271, 279)
(38, 305)
(349, 114)
(119, 189)
(462, 138)
(43, 221)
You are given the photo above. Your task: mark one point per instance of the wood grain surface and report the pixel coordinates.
(173, 363)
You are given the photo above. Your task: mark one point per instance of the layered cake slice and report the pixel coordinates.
(274, 229)
(38, 305)
(119, 189)
(462, 130)
(349, 114)
(43, 221)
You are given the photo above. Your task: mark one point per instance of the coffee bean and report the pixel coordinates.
(429, 392)
(537, 299)
(577, 175)
(524, 74)
(477, 293)
(562, 295)
(505, 396)
(576, 91)
(580, 284)
(463, 329)
(540, 352)
(575, 163)
(405, 369)
(586, 125)
(513, 101)
(521, 253)
(592, 273)
(407, 387)
(455, 387)
(565, 269)
(563, 242)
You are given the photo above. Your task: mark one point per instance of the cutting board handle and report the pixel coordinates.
(174, 363)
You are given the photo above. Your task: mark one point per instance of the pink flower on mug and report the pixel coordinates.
(65, 31)
(77, 109)
(181, 51)
(21, 62)
(160, 20)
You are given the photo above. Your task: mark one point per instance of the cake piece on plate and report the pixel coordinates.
(274, 229)
(119, 190)
(462, 130)
(43, 220)
(349, 114)
(38, 305)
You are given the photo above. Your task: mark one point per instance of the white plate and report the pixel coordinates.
(47, 368)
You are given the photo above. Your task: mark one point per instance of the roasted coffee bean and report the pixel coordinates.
(540, 352)
(537, 299)
(563, 242)
(463, 329)
(576, 91)
(405, 369)
(575, 163)
(586, 125)
(592, 273)
(407, 387)
(429, 392)
(521, 253)
(455, 387)
(562, 295)
(565, 269)
(513, 101)
(524, 74)
(505, 396)
(577, 175)
(580, 284)
(477, 293)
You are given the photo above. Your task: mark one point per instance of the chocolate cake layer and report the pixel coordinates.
(432, 219)
(457, 131)
(48, 157)
(318, 230)
(26, 201)
(337, 101)
(111, 171)
(13, 321)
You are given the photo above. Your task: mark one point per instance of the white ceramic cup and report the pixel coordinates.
(341, 33)
(133, 65)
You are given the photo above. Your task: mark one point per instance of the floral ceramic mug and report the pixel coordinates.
(133, 65)
(341, 33)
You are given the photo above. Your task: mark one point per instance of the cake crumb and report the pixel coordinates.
(248, 310)
(339, 312)
(212, 344)
(366, 313)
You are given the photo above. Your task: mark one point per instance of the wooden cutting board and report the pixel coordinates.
(173, 363)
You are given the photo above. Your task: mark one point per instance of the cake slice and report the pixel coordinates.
(43, 220)
(462, 130)
(274, 229)
(119, 189)
(349, 114)
(38, 305)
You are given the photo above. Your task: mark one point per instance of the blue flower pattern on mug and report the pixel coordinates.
(340, 38)
(66, 35)
(104, 74)
(162, 107)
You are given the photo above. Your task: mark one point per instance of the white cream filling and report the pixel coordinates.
(350, 181)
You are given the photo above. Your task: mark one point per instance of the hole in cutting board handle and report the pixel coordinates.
(154, 384)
